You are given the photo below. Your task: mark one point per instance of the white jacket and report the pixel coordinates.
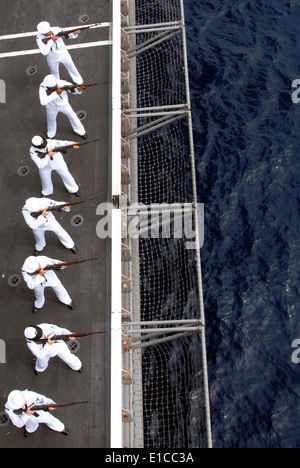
(41, 222)
(30, 399)
(55, 100)
(49, 279)
(41, 351)
(51, 48)
(42, 162)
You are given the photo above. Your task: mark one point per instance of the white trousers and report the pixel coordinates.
(54, 283)
(65, 175)
(61, 350)
(55, 227)
(53, 111)
(67, 61)
(44, 417)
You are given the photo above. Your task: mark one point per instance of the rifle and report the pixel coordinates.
(59, 266)
(63, 149)
(66, 338)
(72, 87)
(36, 214)
(65, 34)
(47, 407)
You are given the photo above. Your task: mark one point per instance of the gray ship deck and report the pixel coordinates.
(22, 117)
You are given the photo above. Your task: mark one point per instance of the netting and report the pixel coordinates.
(164, 156)
(173, 397)
(174, 409)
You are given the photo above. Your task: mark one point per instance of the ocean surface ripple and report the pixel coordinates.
(244, 56)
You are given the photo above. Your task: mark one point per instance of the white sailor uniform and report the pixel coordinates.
(56, 103)
(39, 283)
(32, 422)
(44, 352)
(41, 225)
(57, 53)
(46, 166)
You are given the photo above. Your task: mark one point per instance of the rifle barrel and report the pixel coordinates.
(57, 405)
(57, 266)
(67, 337)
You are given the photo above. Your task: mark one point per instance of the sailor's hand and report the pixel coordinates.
(42, 272)
(81, 87)
(45, 213)
(29, 412)
(77, 145)
(59, 91)
(50, 342)
(63, 267)
(78, 31)
(51, 153)
(54, 38)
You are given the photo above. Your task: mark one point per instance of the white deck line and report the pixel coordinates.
(71, 47)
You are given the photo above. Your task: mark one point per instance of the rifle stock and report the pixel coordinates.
(72, 87)
(47, 407)
(65, 33)
(59, 266)
(63, 149)
(36, 214)
(68, 337)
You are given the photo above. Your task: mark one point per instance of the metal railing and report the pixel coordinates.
(129, 334)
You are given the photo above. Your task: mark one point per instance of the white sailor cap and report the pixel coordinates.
(50, 81)
(16, 400)
(34, 204)
(33, 333)
(31, 265)
(44, 27)
(37, 141)
(30, 333)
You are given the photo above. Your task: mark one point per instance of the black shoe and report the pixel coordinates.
(85, 136)
(80, 370)
(74, 250)
(35, 310)
(71, 306)
(26, 433)
(65, 432)
(37, 252)
(36, 372)
(78, 194)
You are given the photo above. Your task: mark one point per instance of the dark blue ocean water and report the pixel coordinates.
(244, 56)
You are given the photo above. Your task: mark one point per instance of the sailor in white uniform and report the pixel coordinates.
(58, 101)
(45, 222)
(47, 162)
(38, 279)
(56, 51)
(44, 352)
(23, 400)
